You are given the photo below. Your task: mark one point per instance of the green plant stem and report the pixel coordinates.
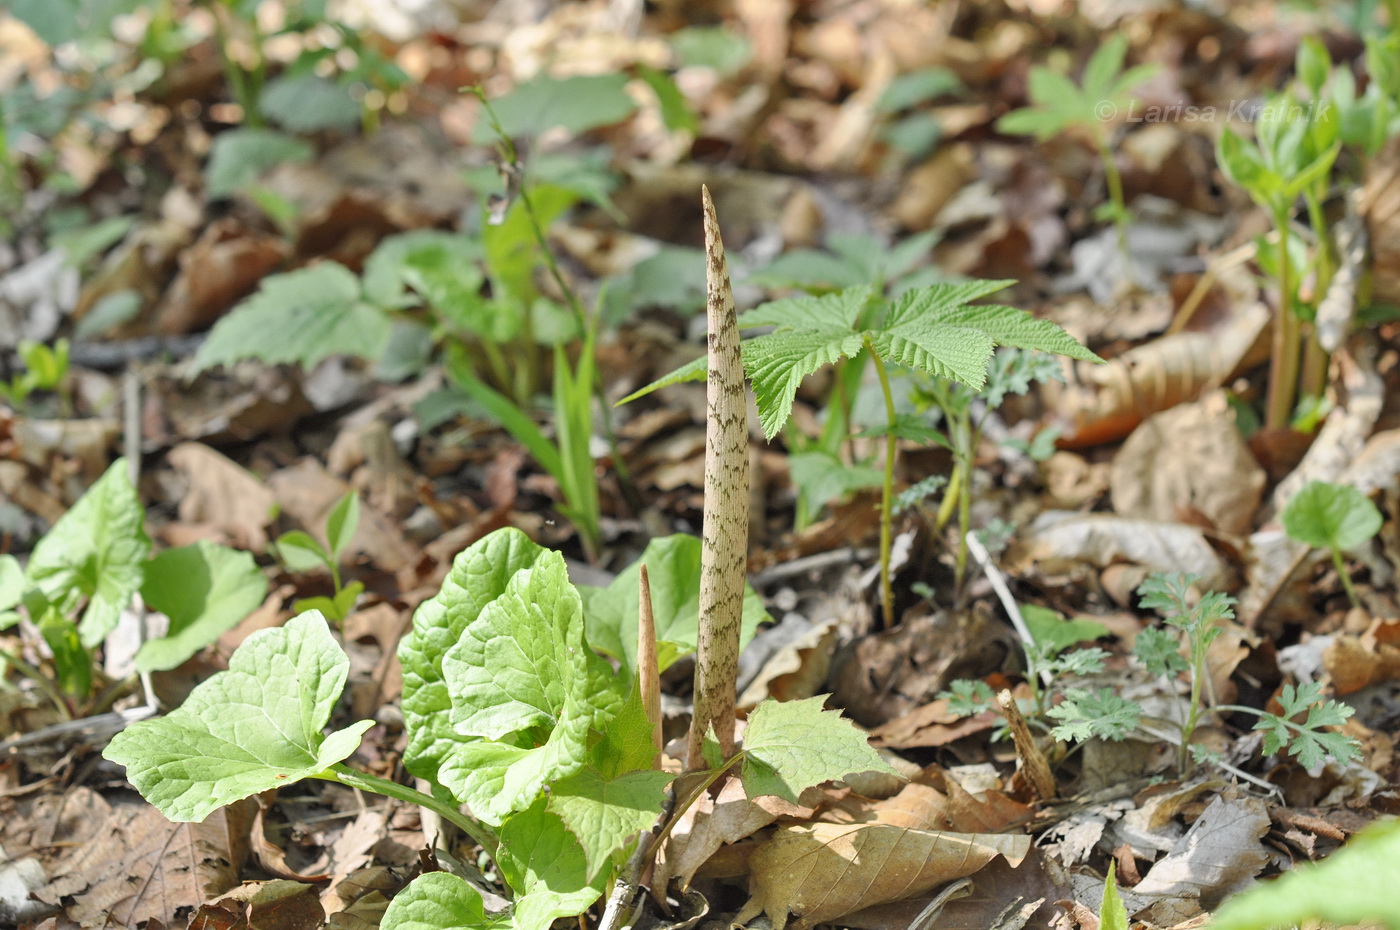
(342, 774)
(886, 489)
(1198, 674)
(40, 680)
(1114, 180)
(1350, 588)
(1315, 357)
(1283, 367)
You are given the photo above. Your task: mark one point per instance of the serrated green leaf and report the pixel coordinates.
(252, 728)
(1011, 327)
(432, 255)
(96, 550)
(575, 104)
(1353, 886)
(795, 745)
(439, 901)
(673, 569)
(1086, 714)
(951, 352)
(777, 364)
(545, 866)
(830, 312)
(478, 576)
(931, 303)
(1306, 740)
(523, 657)
(205, 589)
(966, 697)
(1159, 651)
(298, 318)
(238, 157)
(309, 103)
(604, 814)
(1335, 516)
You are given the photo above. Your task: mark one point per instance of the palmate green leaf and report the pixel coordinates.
(545, 866)
(479, 575)
(298, 318)
(604, 814)
(952, 352)
(524, 655)
(1331, 516)
(1306, 740)
(777, 364)
(791, 746)
(440, 901)
(96, 550)
(1008, 326)
(205, 589)
(252, 728)
(673, 569)
(1103, 67)
(1353, 886)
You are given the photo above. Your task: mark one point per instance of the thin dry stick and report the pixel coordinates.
(724, 549)
(648, 671)
(1033, 761)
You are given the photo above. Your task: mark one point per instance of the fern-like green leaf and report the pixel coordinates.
(777, 363)
(953, 352)
(298, 318)
(830, 311)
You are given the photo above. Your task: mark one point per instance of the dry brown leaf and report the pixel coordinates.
(823, 871)
(1189, 465)
(223, 495)
(307, 492)
(1356, 662)
(1058, 538)
(1219, 855)
(930, 725)
(276, 905)
(224, 264)
(141, 867)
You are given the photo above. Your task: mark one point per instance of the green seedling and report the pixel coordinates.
(913, 132)
(85, 571)
(300, 552)
(964, 412)
(45, 370)
(1296, 143)
(1112, 914)
(935, 330)
(508, 711)
(1335, 517)
(1060, 105)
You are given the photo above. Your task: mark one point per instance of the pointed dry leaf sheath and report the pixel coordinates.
(723, 555)
(648, 671)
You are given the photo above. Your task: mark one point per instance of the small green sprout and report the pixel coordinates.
(300, 553)
(1336, 517)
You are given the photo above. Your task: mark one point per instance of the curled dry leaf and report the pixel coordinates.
(823, 871)
(1057, 538)
(1219, 855)
(1355, 662)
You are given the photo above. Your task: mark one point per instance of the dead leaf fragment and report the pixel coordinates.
(823, 871)
(1217, 857)
(1057, 538)
(223, 495)
(276, 905)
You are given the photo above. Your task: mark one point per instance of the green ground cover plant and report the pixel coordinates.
(1335, 517)
(299, 551)
(45, 369)
(935, 329)
(509, 711)
(85, 571)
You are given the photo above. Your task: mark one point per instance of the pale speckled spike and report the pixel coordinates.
(724, 552)
(648, 670)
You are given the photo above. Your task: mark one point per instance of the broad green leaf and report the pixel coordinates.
(545, 866)
(309, 103)
(479, 575)
(777, 364)
(1331, 516)
(605, 815)
(299, 318)
(300, 553)
(439, 901)
(95, 550)
(917, 87)
(398, 258)
(1011, 327)
(341, 523)
(933, 302)
(794, 745)
(626, 742)
(1112, 914)
(497, 779)
(1353, 886)
(838, 311)
(822, 477)
(676, 114)
(673, 569)
(238, 157)
(1057, 634)
(252, 728)
(575, 104)
(60, 21)
(11, 582)
(516, 664)
(724, 50)
(205, 589)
